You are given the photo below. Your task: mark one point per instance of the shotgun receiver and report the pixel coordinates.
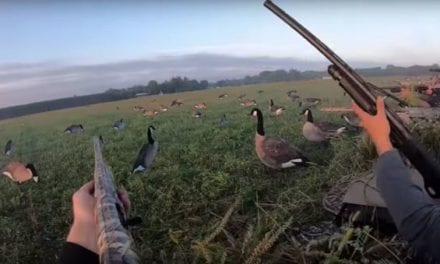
(361, 92)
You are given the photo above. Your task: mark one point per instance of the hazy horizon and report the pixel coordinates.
(61, 48)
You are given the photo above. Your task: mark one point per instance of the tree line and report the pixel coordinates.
(179, 84)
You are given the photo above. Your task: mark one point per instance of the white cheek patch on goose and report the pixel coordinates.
(8, 174)
(292, 163)
(139, 169)
(279, 111)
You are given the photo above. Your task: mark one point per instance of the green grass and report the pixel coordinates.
(200, 171)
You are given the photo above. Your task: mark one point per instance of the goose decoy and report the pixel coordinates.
(20, 173)
(147, 153)
(309, 102)
(74, 129)
(150, 113)
(120, 124)
(196, 114)
(275, 153)
(352, 119)
(293, 97)
(275, 109)
(200, 106)
(224, 121)
(176, 102)
(9, 147)
(318, 132)
(223, 96)
(163, 108)
(248, 103)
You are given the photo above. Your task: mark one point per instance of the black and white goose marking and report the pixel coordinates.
(196, 114)
(9, 147)
(352, 119)
(275, 152)
(20, 173)
(147, 153)
(120, 124)
(318, 132)
(275, 109)
(74, 129)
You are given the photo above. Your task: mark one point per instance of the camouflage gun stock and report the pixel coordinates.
(361, 92)
(115, 243)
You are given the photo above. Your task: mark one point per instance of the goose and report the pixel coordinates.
(196, 114)
(200, 106)
(223, 96)
(352, 119)
(176, 102)
(163, 108)
(310, 102)
(120, 124)
(318, 132)
(293, 97)
(151, 113)
(260, 91)
(9, 147)
(275, 153)
(248, 103)
(224, 121)
(275, 109)
(74, 129)
(137, 108)
(291, 92)
(20, 173)
(241, 96)
(147, 153)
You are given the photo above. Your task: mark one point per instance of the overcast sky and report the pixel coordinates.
(51, 49)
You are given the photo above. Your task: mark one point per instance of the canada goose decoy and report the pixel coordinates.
(196, 114)
(223, 96)
(176, 102)
(120, 124)
(318, 132)
(275, 153)
(163, 108)
(352, 119)
(291, 92)
(74, 129)
(200, 106)
(151, 113)
(248, 103)
(147, 153)
(9, 147)
(20, 173)
(275, 109)
(309, 102)
(224, 121)
(293, 97)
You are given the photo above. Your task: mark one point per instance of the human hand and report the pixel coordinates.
(377, 126)
(84, 230)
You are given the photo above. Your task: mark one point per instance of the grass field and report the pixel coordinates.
(202, 174)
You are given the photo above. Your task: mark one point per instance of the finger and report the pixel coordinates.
(88, 187)
(358, 111)
(123, 196)
(380, 105)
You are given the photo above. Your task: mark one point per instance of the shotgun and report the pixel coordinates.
(361, 92)
(115, 243)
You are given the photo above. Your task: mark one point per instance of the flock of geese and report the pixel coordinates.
(273, 152)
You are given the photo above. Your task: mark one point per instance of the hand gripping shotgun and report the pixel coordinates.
(362, 93)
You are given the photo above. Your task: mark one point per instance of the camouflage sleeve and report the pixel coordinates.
(415, 214)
